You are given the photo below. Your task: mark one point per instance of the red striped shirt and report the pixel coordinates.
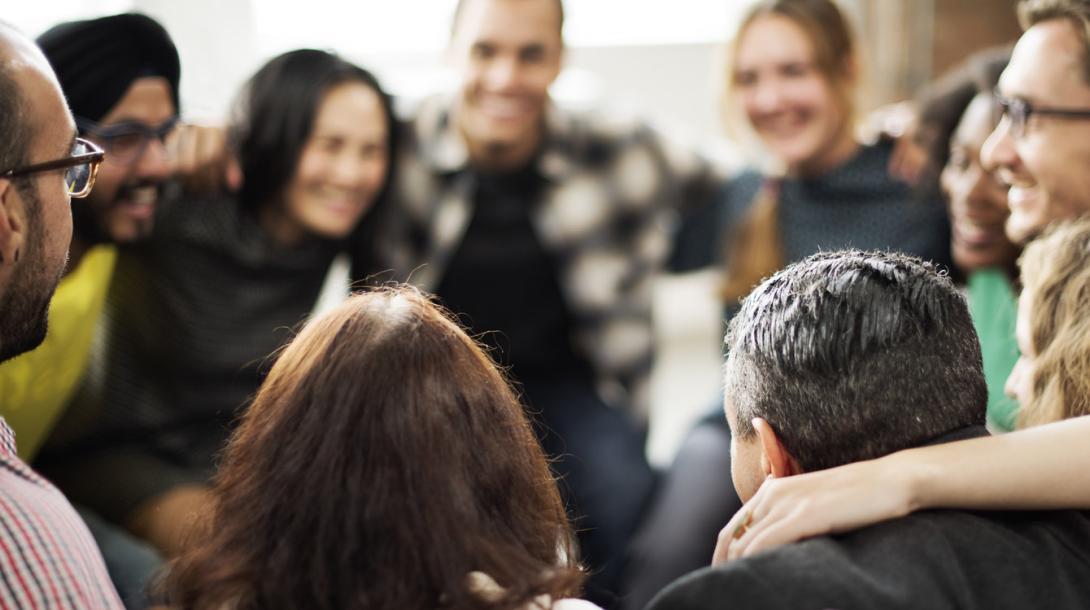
(48, 559)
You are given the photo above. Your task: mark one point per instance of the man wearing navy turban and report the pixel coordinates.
(120, 77)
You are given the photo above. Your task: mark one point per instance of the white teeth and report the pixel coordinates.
(973, 232)
(1019, 195)
(145, 195)
(337, 194)
(504, 107)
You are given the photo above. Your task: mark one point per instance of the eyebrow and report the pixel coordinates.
(129, 119)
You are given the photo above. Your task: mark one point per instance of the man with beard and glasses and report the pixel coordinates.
(48, 559)
(120, 76)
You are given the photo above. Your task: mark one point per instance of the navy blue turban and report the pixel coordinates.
(97, 60)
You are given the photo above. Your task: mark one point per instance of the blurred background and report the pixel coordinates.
(660, 60)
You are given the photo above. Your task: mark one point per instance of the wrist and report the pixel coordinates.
(913, 481)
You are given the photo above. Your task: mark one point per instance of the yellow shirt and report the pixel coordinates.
(35, 387)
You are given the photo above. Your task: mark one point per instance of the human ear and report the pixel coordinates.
(776, 461)
(11, 227)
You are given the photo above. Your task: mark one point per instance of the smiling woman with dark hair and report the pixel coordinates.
(385, 463)
(194, 313)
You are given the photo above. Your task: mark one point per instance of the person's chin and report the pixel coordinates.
(1021, 230)
(797, 154)
(974, 260)
(29, 337)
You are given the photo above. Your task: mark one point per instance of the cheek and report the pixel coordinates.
(996, 199)
(108, 181)
(56, 229)
(827, 112)
(312, 168)
(537, 80)
(950, 181)
(811, 94)
(375, 172)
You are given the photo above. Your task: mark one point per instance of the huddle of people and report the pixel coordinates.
(237, 403)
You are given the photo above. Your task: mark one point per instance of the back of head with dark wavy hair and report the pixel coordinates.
(383, 460)
(852, 355)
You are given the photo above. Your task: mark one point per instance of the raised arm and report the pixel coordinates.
(1039, 468)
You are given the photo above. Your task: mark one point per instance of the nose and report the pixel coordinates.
(998, 150)
(502, 73)
(978, 198)
(154, 162)
(766, 96)
(349, 171)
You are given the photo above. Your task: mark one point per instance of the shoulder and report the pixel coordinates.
(868, 170)
(881, 566)
(606, 134)
(930, 559)
(46, 551)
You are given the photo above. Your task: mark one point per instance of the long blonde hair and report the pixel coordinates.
(1056, 281)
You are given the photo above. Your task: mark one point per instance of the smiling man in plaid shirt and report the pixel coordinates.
(47, 557)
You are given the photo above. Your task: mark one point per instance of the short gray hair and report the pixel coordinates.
(852, 355)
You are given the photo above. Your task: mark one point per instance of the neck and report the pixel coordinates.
(831, 158)
(276, 225)
(501, 156)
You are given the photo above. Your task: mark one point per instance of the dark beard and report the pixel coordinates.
(25, 322)
(86, 227)
(24, 308)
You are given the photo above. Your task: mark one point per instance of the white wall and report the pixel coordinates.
(647, 55)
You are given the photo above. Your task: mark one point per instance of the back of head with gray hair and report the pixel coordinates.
(852, 355)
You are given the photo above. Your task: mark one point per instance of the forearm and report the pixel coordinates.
(1039, 468)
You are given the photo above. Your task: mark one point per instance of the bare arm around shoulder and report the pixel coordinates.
(1038, 468)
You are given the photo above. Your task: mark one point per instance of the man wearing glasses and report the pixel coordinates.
(47, 557)
(120, 76)
(1041, 147)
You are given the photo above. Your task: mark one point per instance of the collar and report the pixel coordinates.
(445, 151)
(957, 434)
(7, 439)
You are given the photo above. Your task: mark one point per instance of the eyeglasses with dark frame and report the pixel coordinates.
(126, 142)
(1019, 112)
(80, 168)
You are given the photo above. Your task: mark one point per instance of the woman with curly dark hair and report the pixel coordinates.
(385, 463)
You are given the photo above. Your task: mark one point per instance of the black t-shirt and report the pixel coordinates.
(502, 283)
